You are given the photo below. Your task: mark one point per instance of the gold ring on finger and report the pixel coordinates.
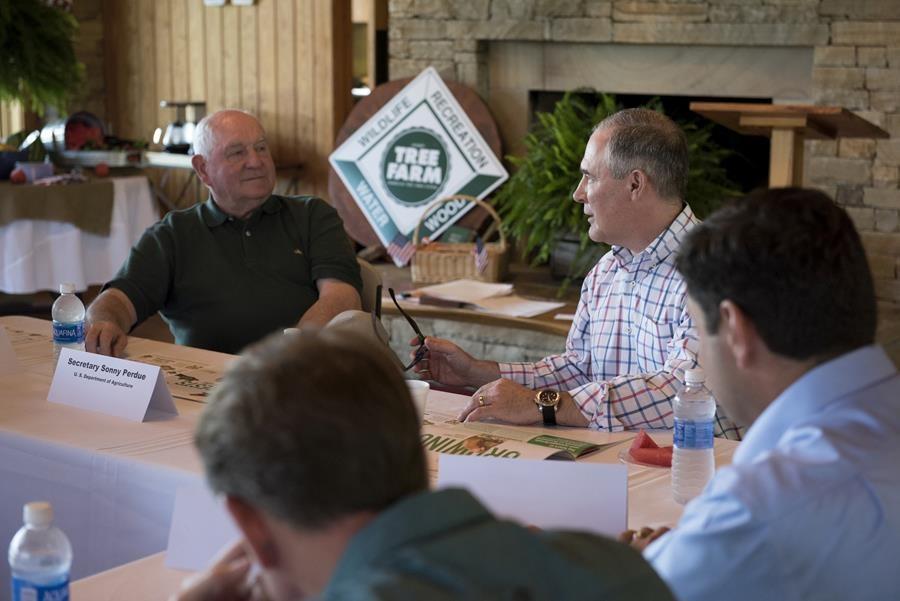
(481, 400)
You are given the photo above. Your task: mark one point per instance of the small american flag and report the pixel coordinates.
(481, 255)
(401, 250)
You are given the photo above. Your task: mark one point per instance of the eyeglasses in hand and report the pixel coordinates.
(422, 349)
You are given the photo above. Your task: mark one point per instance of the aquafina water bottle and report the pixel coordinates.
(693, 459)
(68, 321)
(40, 556)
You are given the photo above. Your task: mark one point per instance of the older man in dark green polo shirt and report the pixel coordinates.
(243, 264)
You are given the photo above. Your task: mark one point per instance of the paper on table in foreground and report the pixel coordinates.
(464, 291)
(548, 494)
(200, 528)
(516, 306)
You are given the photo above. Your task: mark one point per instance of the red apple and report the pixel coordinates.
(101, 169)
(18, 176)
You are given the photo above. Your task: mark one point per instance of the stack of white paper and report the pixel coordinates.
(464, 291)
(516, 306)
(488, 297)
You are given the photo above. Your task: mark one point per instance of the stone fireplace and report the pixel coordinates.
(829, 52)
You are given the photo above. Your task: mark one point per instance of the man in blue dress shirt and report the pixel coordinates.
(779, 286)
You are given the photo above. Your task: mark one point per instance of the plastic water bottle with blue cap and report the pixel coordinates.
(68, 321)
(693, 458)
(40, 556)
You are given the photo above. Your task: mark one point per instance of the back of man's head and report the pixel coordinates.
(648, 140)
(312, 427)
(792, 261)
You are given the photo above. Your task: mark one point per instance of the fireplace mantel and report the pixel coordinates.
(779, 74)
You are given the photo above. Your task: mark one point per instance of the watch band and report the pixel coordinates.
(549, 413)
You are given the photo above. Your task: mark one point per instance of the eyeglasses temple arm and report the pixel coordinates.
(409, 319)
(378, 301)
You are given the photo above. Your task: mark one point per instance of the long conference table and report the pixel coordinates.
(113, 482)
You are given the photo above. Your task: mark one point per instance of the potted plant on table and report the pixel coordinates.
(536, 202)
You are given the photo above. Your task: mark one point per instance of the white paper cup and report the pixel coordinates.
(418, 389)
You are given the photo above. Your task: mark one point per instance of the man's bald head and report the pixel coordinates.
(205, 132)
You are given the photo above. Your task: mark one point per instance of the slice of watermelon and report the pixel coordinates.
(661, 456)
(645, 450)
(643, 441)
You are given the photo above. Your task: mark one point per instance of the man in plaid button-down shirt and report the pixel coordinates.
(632, 337)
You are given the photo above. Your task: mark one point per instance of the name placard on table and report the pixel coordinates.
(548, 494)
(201, 528)
(128, 389)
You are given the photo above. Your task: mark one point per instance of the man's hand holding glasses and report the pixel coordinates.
(442, 361)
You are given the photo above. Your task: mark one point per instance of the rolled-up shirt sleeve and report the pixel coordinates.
(147, 274)
(331, 253)
(629, 401)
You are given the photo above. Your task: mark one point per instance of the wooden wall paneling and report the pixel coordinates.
(122, 48)
(267, 109)
(196, 49)
(249, 59)
(12, 118)
(287, 61)
(332, 75)
(231, 58)
(165, 33)
(305, 93)
(180, 70)
(162, 31)
(320, 80)
(213, 50)
(112, 42)
(148, 99)
(285, 85)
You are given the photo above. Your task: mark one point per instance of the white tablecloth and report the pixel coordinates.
(112, 482)
(39, 255)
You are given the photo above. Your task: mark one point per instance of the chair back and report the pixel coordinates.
(371, 292)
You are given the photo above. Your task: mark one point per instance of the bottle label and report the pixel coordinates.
(28, 591)
(68, 333)
(691, 434)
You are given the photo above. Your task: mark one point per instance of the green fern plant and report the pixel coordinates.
(37, 59)
(536, 202)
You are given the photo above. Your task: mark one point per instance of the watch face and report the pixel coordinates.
(548, 398)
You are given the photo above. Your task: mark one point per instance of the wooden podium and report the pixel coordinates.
(788, 125)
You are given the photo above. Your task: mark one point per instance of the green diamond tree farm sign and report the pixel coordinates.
(421, 146)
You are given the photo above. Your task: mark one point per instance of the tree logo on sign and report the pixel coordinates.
(415, 166)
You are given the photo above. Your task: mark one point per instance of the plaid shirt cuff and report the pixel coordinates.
(520, 373)
(592, 400)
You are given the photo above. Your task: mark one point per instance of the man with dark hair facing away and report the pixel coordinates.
(780, 288)
(314, 442)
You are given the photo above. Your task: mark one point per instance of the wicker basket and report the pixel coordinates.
(441, 261)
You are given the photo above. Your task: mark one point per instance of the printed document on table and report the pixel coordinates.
(443, 433)
(188, 380)
(465, 291)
